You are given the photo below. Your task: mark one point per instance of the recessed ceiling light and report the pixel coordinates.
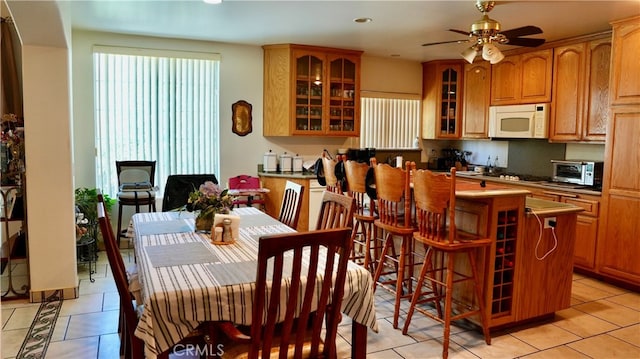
(362, 20)
(212, 1)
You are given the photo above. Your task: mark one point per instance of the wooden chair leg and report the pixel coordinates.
(481, 306)
(118, 233)
(381, 260)
(448, 305)
(368, 231)
(417, 293)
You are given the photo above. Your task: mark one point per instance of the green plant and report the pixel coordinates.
(87, 203)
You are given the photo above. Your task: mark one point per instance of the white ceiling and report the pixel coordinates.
(398, 27)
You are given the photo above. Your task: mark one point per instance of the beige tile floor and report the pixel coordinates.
(602, 322)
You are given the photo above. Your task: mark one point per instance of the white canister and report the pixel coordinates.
(297, 163)
(269, 162)
(285, 162)
(399, 161)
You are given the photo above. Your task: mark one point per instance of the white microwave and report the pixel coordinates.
(519, 121)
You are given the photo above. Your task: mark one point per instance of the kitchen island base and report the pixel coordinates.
(529, 268)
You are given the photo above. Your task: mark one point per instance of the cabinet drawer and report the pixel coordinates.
(590, 207)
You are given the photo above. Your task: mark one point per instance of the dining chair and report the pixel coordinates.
(131, 308)
(329, 167)
(292, 315)
(364, 214)
(394, 272)
(114, 258)
(435, 201)
(136, 187)
(336, 211)
(178, 187)
(291, 204)
(246, 182)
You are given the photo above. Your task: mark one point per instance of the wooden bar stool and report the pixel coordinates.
(393, 193)
(434, 196)
(329, 167)
(364, 214)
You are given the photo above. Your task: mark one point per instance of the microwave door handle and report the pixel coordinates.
(567, 162)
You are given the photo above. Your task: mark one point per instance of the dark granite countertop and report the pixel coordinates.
(537, 184)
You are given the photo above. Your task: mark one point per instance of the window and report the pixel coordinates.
(389, 122)
(155, 105)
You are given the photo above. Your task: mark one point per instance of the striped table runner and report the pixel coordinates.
(181, 294)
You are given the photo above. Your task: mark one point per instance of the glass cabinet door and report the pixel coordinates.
(309, 94)
(449, 102)
(343, 95)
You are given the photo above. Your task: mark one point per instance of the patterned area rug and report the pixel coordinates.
(37, 340)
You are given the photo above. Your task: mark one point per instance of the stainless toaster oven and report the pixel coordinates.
(586, 173)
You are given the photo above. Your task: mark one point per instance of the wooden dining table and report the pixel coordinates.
(187, 281)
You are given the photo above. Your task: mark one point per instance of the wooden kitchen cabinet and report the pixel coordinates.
(441, 99)
(625, 72)
(580, 91)
(617, 252)
(584, 254)
(476, 98)
(523, 78)
(618, 247)
(311, 91)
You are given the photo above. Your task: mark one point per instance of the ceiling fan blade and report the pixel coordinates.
(523, 41)
(522, 31)
(460, 32)
(445, 42)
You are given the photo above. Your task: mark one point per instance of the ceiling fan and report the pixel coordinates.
(486, 32)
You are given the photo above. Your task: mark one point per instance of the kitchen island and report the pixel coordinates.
(526, 274)
(528, 269)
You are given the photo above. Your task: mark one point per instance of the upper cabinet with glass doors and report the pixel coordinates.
(311, 91)
(441, 99)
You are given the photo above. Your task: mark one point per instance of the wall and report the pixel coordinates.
(47, 110)
(241, 77)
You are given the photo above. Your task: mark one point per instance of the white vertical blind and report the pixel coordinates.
(389, 122)
(155, 108)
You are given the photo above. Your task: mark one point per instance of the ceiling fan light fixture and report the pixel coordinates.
(491, 53)
(470, 53)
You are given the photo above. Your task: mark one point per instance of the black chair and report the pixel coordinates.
(136, 183)
(178, 187)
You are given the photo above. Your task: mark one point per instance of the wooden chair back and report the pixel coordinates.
(291, 204)
(393, 193)
(329, 168)
(135, 346)
(286, 261)
(336, 211)
(435, 200)
(356, 173)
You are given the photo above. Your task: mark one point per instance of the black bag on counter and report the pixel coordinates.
(319, 171)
